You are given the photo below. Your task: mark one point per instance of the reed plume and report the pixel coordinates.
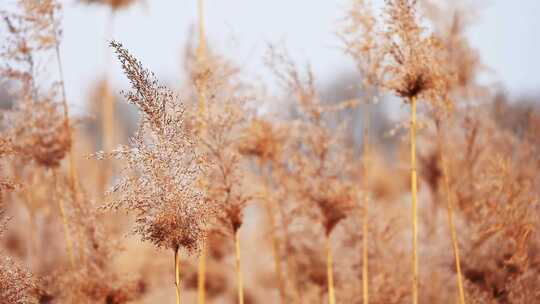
(264, 141)
(170, 210)
(38, 123)
(360, 35)
(318, 153)
(415, 70)
(225, 188)
(221, 112)
(17, 283)
(94, 279)
(462, 61)
(330, 225)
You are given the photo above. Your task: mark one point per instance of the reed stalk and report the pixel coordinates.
(201, 58)
(365, 214)
(330, 271)
(201, 278)
(275, 252)
(177, 275)
(74, 182)
(69, 243)
(275, 240)
(73, 178)
(414, 189)
(201, 95)
(450, 212)
(297, 297)
(239, 279)
(28, 199)
(65, 222)
(107, 111)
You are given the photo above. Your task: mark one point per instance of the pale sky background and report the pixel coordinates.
(506, 33)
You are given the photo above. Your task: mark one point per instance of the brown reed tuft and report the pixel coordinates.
(35, 123)
(262, 139)
(115, 5)
(415, 66)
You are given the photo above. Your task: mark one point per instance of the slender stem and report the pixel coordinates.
(202, 277)
(62, 84)
(107, 112)
(365, 285)
(365, 279)
(201, 50)
(177, 275)
(291, 274)
(239, 279)
(290, 281)
(108, 120)
(74, 180)
(330, 271)
(201, 66)
(107, 129)
(201, 59)
(277, 260)
(33, 229)
(275, 243)
(200, 56)
(67, 236)
(414, 201)
(450, 209)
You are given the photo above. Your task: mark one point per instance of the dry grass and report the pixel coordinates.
(282, 207)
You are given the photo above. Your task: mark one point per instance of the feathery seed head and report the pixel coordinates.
(17, 285)
(39, 132)
(36, 123)
(162, 166)
(263, 140)
(415, 64)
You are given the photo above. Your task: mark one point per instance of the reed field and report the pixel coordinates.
(222, 189)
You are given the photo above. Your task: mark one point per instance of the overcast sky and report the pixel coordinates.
(505, 32)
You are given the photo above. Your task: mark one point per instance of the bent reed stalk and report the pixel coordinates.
(450, 213)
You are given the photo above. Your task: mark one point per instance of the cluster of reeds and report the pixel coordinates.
(277, 206)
